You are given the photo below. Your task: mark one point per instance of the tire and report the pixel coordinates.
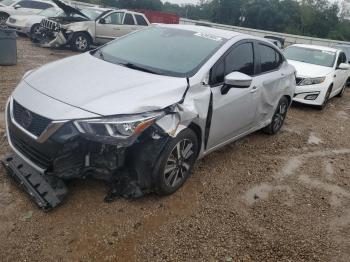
(3, 18)
(81, 42)
(341, 93)
(326, 98)
(35, 29)
(278, 117)
(171, 172)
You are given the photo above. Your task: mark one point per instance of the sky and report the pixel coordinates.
(179, 2)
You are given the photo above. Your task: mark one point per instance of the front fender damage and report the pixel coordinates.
(128, 169)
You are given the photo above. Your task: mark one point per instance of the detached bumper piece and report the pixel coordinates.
(46, 191)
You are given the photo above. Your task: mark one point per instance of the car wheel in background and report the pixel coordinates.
(3, 18)
(278, 117)
(35, 29)
(81, 42)
(176, 162)
(326, 98)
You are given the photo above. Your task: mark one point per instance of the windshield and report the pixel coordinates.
(51, 12)
(166, 51)
(91, 13)
(7, 2)
(311, 56)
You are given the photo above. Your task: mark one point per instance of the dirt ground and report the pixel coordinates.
(263, 198)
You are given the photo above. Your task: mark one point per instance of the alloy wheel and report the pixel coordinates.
(279, 116)
(36, 30)
(81, 43)
(178, 164)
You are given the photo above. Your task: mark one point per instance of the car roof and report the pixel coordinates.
(317, 47)
(207, 30)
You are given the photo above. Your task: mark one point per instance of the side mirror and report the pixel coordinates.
(102, 21)
(17, 6)
(236, 80)
(344, 66)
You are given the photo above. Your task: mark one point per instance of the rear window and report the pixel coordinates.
(269, 59)
(129, 19)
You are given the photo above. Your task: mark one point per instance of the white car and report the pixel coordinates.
(22, 7)
(30, 24)
(140, 110)
(322, 73)
(86, 27)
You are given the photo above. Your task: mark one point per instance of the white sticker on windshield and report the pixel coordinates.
(208, 36)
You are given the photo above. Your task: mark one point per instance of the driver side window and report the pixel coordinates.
(114, 18)
(240, 59)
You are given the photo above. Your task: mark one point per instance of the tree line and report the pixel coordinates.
(316, 18)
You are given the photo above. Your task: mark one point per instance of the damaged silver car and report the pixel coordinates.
(139, 111)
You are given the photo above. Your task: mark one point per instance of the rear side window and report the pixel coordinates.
(269, 58)
(240, 59)
(140, 20)
(40, 5)
(129, 20)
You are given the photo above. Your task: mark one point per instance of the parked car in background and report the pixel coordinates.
(278, 41)
(143, 108)
(322, 73)
(89, 26)
(30, 24)
(345, 48)
(22, 7)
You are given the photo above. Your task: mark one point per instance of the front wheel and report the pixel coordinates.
(326, 99)
(176, 162)
(35, 29)
(81, 42)
(278, 117)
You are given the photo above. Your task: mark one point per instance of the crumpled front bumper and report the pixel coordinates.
(59, 40)
(47, 191)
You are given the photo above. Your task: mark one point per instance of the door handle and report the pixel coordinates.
(254, 89)
(117, 29)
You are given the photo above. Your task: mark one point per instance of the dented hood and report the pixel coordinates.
(103, 88)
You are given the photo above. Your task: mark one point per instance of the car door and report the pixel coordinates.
(233, 113)
(109, 27)
(340, 76)
(272, 80)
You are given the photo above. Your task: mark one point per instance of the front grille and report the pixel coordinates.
(36, 124)
(30, 152)
(46, 23)
(298, 80)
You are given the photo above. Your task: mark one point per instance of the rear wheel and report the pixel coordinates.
(176, 162)
(3, 18)
(81, 42)
(278, 118)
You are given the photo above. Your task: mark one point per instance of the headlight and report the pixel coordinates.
(121, 127)
(312, 81)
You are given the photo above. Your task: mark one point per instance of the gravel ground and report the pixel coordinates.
(275, 198)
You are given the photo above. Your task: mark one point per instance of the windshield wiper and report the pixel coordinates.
(140, 68)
